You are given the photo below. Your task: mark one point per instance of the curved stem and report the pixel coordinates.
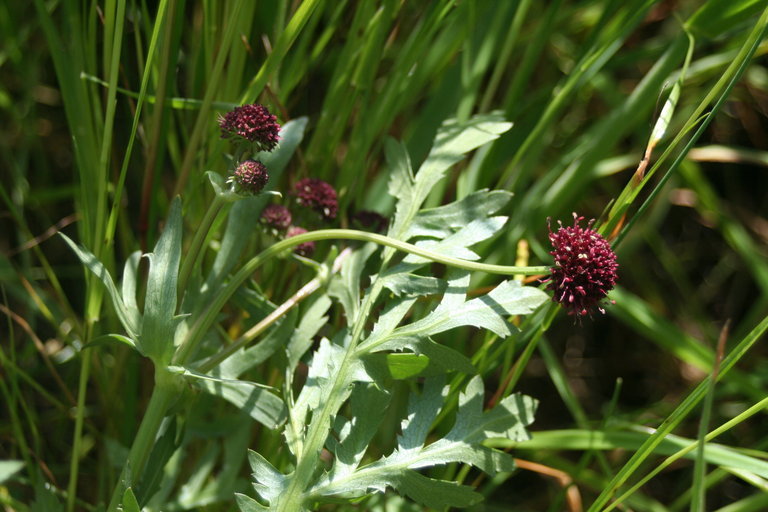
(206, 317)
(304, 292)
(522, 362)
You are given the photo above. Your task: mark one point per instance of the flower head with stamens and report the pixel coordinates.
(585, 267)
(253, 123)
(317, 195)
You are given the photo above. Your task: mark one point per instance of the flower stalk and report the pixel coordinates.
(205, 318)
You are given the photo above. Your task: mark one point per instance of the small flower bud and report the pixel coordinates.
(585, 267)
(276, 216)
(253, 123)
(250, 176)
(305, 249)
(317, 195)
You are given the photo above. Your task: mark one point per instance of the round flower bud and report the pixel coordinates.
(250, 176)
(276, 216)
(253, 123)
(585, 267)
(305, 249)
(317, 195)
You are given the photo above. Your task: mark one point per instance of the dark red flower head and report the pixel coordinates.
(250, 176)
(317, 195)
(305, 249)
(371, 220)
(276, 216)
(585, 267)
(253, 123)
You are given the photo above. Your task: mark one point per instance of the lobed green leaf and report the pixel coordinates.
(157, 330)
(256, 400)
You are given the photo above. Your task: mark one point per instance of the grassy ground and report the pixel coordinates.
(109, 111)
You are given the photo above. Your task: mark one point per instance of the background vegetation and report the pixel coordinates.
(109, 111)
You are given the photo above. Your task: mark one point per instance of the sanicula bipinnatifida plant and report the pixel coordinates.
(569, 185)
(341, 404)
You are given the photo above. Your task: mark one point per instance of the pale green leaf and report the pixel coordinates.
(129, 287)
(401, 185)
(345, 286)
(488, 312)
(95, 266)
(157, 329)
(455, 245)
(320, 387)
(248, 504)
(254, 399)
(368, 404)
(390, 318)
(403, 366)
(299, 341)
(8, 468)
(423, 409)
(110, 338)
(435, 493)
(441, 221)
(454, 139)
(412, 285)
(268, 481)
(462, 444)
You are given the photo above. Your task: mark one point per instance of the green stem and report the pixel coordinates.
(161, 399)
(305, 291)
(82, 391)
(206, 317)
(522, 362)
(193, 253)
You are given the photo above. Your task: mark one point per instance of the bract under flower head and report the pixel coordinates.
(276, 216)
(317, 195)
(250, 176)
(585, 267)
(305, 249)
(253, 123)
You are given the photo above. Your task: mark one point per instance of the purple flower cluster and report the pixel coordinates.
(317, 195)
(585, 267)
(305, 249)
(276, 216)
(253, 123)
(250, 176)
(370, 220)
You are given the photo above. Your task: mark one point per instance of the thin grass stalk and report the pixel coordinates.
(212, 88)
(721, 91)
(676, 417)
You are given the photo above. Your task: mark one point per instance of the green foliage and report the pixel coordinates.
(463, 443)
